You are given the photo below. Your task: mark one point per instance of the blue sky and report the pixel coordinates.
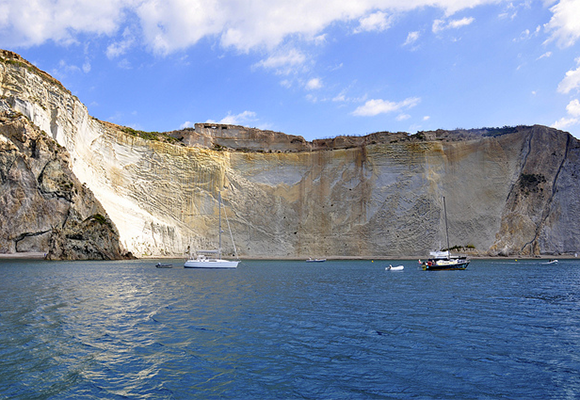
(308, 67)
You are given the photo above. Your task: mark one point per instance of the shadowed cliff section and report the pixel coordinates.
(509, 191)
(43, 207)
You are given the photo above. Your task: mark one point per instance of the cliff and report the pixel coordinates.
(509, 191)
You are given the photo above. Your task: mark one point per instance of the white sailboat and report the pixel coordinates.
(212, 258)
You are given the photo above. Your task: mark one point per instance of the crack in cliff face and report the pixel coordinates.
(561, 166)
(547, 207)
(531, 196)
(526, 150)
(54, 123)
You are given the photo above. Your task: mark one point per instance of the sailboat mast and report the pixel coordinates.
(220, 224)
(446, 228)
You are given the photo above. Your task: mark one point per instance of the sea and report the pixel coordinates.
(501, 329)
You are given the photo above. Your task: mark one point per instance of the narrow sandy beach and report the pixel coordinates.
(28, 255)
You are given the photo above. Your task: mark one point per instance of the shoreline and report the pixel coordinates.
(32, 255)
(40, 256)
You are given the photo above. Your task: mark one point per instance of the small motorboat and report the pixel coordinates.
(552, 262)
(316, 259)
(159, 265)
(397, 268)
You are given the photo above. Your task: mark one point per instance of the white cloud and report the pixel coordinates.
(340, 98)
(402, 117)
(311, 98)
(458, 23)
(547, 54)
(320, 40)
(571, 81)
(171, 25)
(440, 25)
(284, 62)
(527, 34)
(378, 21)
(564, 123)
(512, 8)
(378, 106)
(238, 119)
(412, 37)
(121, 47)
(65, 68)
(565, 23)
(573, 108)
(124, 64)
(314, 84)
(186, 124)
(33, 22)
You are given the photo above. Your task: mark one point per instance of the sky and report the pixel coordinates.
(314, 68)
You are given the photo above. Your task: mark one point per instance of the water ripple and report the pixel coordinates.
(336, 330)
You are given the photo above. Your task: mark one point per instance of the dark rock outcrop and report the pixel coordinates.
(43, 206)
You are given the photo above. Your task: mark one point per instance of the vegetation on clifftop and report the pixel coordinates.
(10, 58)
(162, 137)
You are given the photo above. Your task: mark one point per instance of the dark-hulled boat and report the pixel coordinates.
(443, 260)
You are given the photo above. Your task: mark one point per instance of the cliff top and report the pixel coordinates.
(10, 57)
(240, 138)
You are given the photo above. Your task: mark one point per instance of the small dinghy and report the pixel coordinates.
(397, 268)
(159, 265)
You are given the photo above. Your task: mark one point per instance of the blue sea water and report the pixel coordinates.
(502, 329)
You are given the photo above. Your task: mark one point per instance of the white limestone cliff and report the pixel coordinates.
(507, 191)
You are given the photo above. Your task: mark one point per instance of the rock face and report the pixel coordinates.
(43, 207)
(509, 191)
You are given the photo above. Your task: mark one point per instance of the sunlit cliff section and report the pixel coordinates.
(508, 191)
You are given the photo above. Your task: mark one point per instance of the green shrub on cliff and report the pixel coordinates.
(162, 137)
(100, 219)
(530, 183)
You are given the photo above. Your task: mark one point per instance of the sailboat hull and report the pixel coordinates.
(211, 263)
(435, 266)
